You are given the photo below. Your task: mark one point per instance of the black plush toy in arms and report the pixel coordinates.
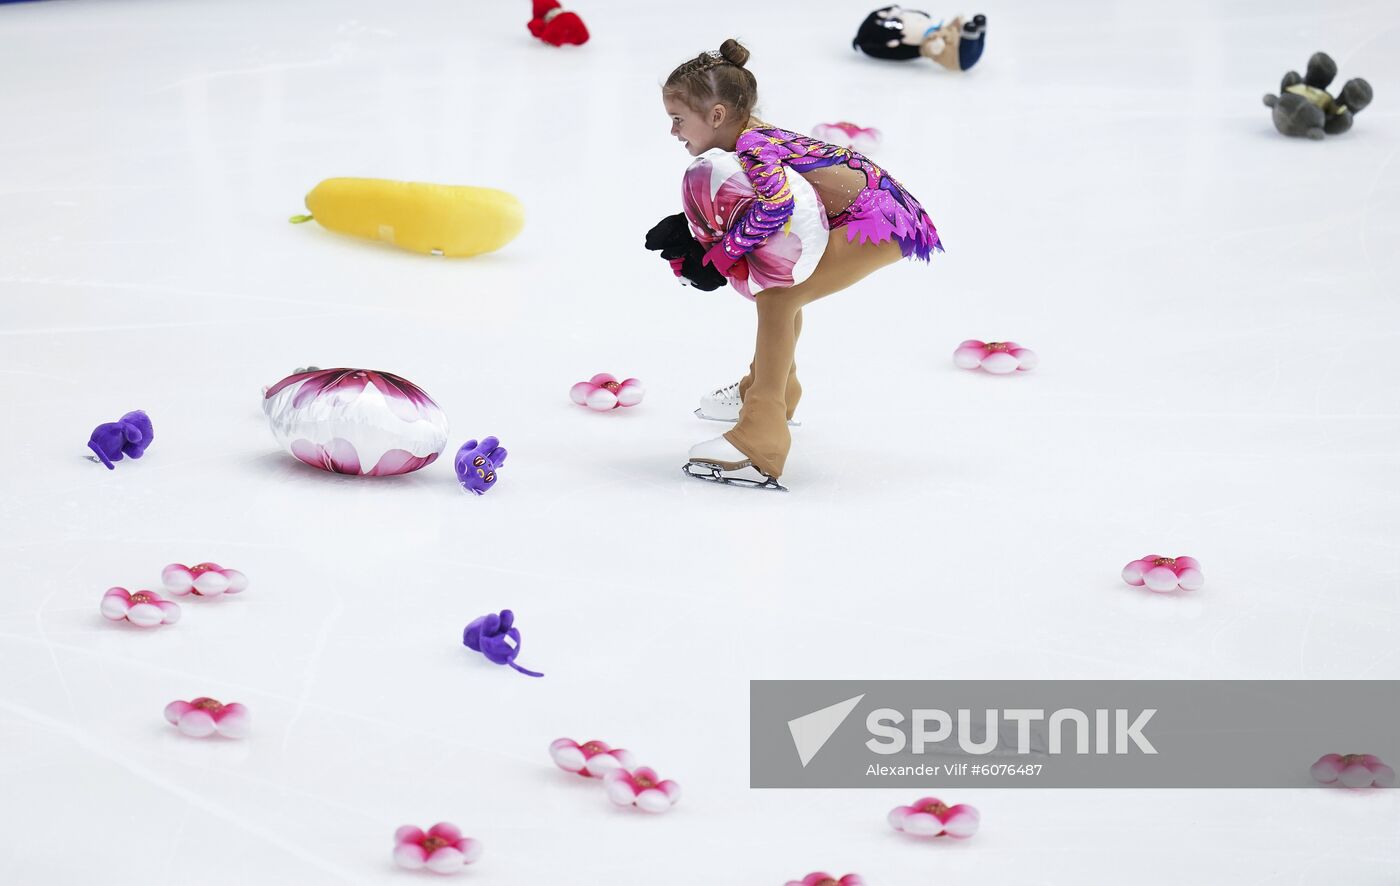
(672, 238)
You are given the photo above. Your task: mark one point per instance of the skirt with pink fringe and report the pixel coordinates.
(889, 212)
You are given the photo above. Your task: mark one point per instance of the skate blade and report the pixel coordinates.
(700, 413)
(713, 473)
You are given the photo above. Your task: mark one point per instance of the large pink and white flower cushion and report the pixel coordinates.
(356, 421)
(592, 759)
(202, 717)
(202, 580)
(1164, 574)
(441, 849)
(931, 817)
(716, 191)
(1353, 771)
(145, 609)
(642, 788)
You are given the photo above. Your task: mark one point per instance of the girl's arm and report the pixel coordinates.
(762, 160)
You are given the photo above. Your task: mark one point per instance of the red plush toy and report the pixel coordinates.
(557, 26)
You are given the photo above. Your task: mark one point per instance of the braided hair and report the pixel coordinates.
(716, 78)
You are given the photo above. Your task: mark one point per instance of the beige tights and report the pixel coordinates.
(770, 392)
(793, 391)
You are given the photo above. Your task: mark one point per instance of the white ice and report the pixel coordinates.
(1214, 306)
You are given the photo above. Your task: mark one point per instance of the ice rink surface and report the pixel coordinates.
(1215, 307)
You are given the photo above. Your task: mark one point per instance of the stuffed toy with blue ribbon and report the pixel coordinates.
(898, 34)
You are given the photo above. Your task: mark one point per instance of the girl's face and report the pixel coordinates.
(698, 132)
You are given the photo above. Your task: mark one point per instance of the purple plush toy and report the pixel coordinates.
(127, 437)
(477, 464)
(491, 635)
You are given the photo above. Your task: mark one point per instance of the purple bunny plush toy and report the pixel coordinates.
(128, 436)
(477, 464)
(492, 635)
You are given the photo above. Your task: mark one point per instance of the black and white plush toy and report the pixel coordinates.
(898, 34)
(672, 238)
(1304, 107)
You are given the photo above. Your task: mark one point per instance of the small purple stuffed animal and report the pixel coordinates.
(477, 464)
(127, 437)
(490, 634)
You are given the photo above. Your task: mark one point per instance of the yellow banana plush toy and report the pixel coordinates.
(455, 220)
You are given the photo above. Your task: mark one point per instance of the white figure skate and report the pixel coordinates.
(723, 404)
(718, 461)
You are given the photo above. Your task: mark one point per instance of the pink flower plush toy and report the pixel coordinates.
(203, 580)
(931, 817)
(824, 879)
(441, 849)
(861, 139)
(1353, 771)
(603, 392)
(592, 759)
(1163, 574)
(642, 788)
(203, 717)
(145, 609)
(996, 357)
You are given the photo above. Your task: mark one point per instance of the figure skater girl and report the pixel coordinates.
(873, 222)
